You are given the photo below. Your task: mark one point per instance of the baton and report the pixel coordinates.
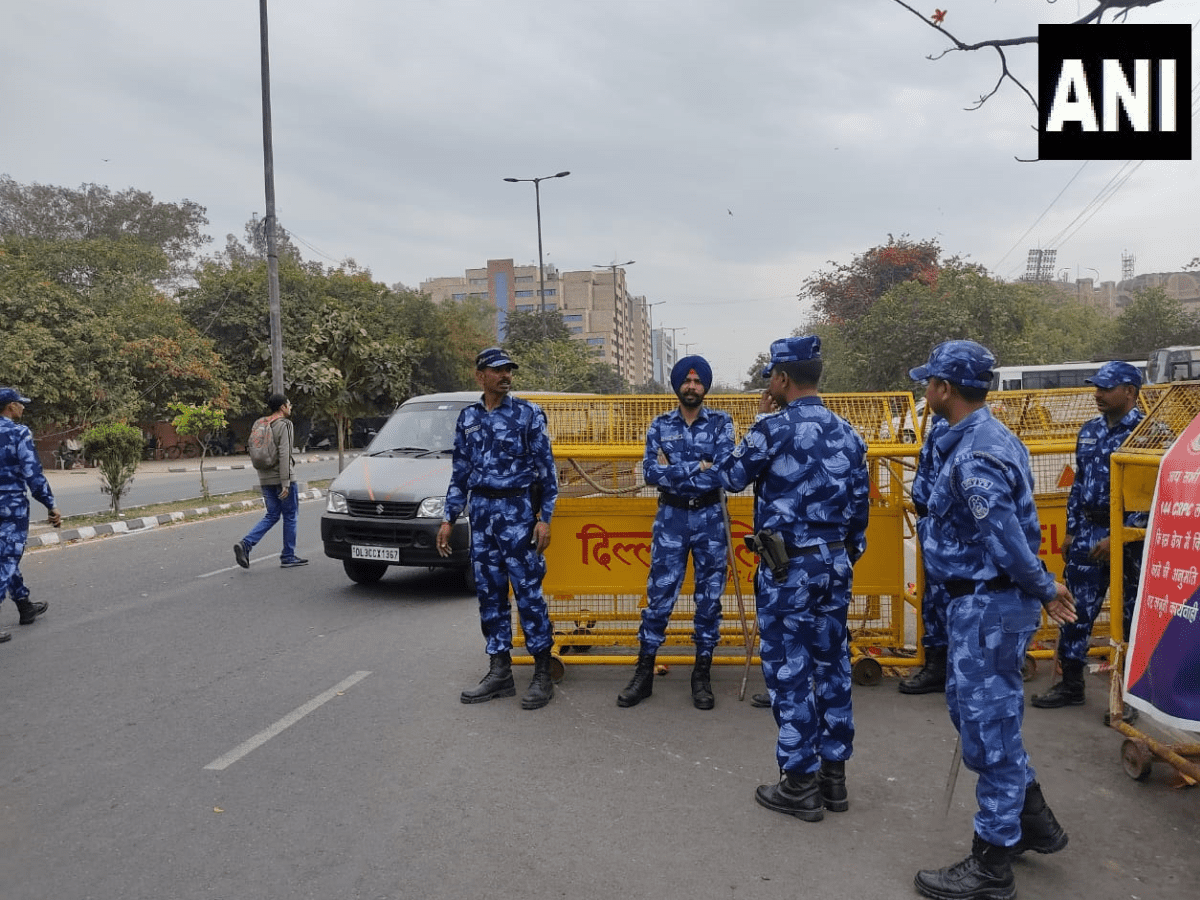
(737, 590)
(952, 778)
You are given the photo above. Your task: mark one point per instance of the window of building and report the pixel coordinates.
(549, 292)
(459, 296)
(524, 278)
(524, 293)
(525, 307)
(475, 282)
(573, 318)
(596, 342)
(575, 329)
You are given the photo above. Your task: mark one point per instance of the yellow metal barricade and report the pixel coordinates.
(599, 556)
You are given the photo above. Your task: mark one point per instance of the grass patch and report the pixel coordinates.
(157, 509)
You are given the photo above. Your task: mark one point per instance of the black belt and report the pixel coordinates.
(499, 493)
(794, 552)
(690, 502)
(959, 587)
(1096, 516)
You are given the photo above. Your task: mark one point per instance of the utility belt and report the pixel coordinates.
(700, 502)
(499, 493)
(960, 587)
(776, 555)
(1097, 515)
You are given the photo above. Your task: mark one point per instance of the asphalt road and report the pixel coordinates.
(177, 727)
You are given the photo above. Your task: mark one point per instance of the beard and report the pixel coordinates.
(691, 400)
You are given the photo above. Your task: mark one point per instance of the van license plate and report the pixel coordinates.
(383, 554)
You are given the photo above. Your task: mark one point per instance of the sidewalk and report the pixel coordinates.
(43, 535)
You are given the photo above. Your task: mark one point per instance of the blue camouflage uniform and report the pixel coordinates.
(980, 541)
(1088, 524)
(690, 519)
(934, 600)
(19, 469)
(811, 486)
(503, 462)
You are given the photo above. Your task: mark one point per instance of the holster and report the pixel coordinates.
(772, 551)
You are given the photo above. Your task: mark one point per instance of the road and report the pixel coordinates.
(77, 491)
(177, 728)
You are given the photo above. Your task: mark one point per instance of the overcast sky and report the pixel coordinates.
(730, 147)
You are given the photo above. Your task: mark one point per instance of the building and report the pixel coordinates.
(596, 307)
(1114, 296)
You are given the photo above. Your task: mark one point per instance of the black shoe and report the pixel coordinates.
(292, 563)
(761, 701)
(5, 636)
(241, 554)
(541, 688)
(498, 682)
(702, 695)
(1040, 831)
(832, 779)
(1068, 692)
(795, 795)
(931, 678)
(641, 685)
(30, 609)
(984, 875)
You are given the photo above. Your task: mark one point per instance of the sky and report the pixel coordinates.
(731, 148)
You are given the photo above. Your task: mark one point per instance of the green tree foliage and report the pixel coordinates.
(551, 360)
(201, 422)
(445, 339)
(117, 448)
(1153, 320)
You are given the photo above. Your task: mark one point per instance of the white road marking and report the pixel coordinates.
(286, 722)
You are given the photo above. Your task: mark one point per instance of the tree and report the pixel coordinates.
(1153, 320)
(117, 448)
(343, 370)
(96, 213)
(847, 291)
(200, 422)
(522, 329)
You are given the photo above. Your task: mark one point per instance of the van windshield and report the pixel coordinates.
(425, 427)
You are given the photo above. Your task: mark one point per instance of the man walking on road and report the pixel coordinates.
(504, 464)
(274, 465)
(20, 470)
(681, 447)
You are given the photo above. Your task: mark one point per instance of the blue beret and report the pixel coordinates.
(494, 358)
(964, 363)
(12, 395)
(1114, 373)
(679, 372)
(793, 349)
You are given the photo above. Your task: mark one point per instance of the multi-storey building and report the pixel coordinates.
(596, 307)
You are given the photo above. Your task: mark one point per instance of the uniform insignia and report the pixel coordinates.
(979, 506)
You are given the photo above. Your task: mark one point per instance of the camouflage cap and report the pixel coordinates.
(494, 358)
(964, 363)
(1114, 373)
(12, 395)
(793, 349)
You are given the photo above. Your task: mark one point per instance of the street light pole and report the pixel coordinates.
(537, 199)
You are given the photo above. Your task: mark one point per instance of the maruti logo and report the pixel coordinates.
(1114, 92)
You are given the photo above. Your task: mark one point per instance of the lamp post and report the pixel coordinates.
(537, 199)
(674, 352)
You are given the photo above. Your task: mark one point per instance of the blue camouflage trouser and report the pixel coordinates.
(502, 552)
(989, 634)
(14, 531)
(1088, 583)
(676, 533)
(805, 655)
(934, 602)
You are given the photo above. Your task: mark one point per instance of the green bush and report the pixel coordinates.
(117, 449)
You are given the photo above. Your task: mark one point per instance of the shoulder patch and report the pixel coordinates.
(979, 506)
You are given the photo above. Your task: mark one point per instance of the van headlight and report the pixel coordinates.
(431, 508)
(336, 503)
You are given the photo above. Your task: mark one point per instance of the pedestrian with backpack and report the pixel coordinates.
(270, 448)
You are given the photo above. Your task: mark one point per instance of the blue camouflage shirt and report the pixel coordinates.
(928, 464)
(20, 468)
(1093, 447)
(685, 446)
(982, 519)
(507, 447)
(809, 469)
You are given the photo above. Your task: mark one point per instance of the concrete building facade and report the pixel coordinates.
(596, 307)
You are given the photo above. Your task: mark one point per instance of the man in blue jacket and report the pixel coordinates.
(681, 447)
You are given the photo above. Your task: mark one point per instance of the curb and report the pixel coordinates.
(54, 538)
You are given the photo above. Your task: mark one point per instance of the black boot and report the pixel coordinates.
(498, 682)
(541, 688)
(1068, 692)
(833, 785)
(702, 695)
(1040, 831)
(797, 795)
(30, 609)
(984, 875)
(931, 678)
(641, 685)
(761, 701)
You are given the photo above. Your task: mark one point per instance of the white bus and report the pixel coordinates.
(1060, 375)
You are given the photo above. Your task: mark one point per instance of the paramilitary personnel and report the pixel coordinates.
(980, 541)
(20, 468)
(1085, 549)
(681, 447)
(811, 504)
(503, 462)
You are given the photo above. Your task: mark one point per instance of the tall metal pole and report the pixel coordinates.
(269, 174)
(537, 199)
